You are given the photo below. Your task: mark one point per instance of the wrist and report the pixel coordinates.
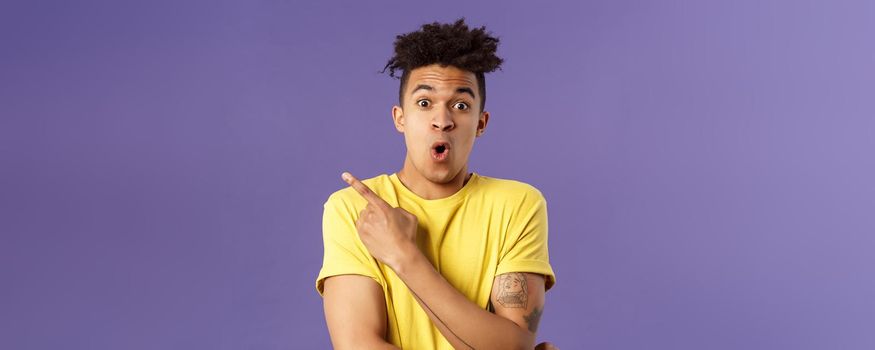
(406, 257)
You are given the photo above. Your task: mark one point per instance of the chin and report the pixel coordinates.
(440, 175)
(439, 178)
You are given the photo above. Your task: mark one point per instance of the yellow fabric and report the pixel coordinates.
(489, 227)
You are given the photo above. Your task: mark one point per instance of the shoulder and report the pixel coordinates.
(508, 190)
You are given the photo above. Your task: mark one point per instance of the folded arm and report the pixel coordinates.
(517, 299)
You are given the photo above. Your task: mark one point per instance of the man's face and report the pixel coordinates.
(440, 118)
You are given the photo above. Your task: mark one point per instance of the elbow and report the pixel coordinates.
(521, 340)
(515, 337)
(525, 340)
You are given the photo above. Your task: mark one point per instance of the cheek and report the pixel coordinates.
(466, 145)
(415, 141)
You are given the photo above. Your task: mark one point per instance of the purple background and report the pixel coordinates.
(708, 166)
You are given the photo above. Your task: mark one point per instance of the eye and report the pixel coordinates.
(423, 103)
(462, 106)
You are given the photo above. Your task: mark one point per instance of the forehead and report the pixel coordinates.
(442, 79)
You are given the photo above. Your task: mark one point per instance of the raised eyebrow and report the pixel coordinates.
(466, 90)
(422, 87)
(461, 90)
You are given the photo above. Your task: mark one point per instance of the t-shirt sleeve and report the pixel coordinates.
(527, 240)
(344, 253)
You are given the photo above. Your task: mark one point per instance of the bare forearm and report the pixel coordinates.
(463, 323)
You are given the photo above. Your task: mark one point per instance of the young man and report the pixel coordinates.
(435, 256)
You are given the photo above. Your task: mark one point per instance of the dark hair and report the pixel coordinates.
(454, 44)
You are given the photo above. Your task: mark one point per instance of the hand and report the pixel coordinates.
(387, 232)
(546, 346)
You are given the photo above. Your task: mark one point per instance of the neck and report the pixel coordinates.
(425, 188)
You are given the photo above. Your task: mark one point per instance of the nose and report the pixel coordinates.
(443, 121)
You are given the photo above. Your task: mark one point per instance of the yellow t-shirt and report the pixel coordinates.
(489, 227)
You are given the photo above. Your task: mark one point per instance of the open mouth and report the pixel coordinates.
(440, 151)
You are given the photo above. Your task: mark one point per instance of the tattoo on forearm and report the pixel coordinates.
(513, 290)
(533, 319)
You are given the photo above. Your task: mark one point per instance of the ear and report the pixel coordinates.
(398, 118)
(481, 124)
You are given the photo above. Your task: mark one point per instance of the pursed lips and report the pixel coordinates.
(440, 150)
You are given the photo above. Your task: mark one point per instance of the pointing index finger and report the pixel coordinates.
(363, 190)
